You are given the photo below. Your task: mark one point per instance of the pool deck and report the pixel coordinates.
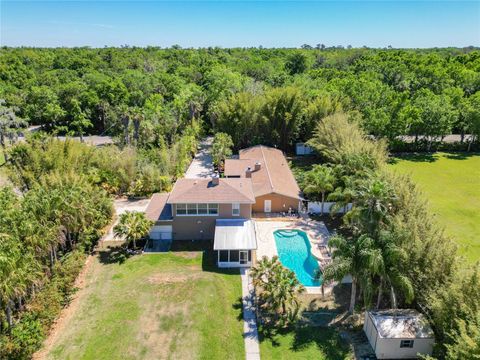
(318, 236)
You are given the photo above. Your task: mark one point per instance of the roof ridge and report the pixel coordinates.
(239, 192)
(266, 166)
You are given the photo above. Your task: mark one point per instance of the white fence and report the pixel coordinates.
(316, 207)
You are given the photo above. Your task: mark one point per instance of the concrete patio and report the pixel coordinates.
(317, 232)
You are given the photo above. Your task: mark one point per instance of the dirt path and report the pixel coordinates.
(68, 312)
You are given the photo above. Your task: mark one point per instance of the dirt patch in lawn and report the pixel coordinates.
(171, 277)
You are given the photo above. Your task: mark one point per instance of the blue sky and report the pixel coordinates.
(231, 23)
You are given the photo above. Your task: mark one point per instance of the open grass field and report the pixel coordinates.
(451, 183)
(155, 306)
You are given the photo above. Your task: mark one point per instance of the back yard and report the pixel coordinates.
(176, 305)
(152, 307)
(451, 183)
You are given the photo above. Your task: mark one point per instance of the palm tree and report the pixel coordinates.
(133, 226)
(319, 180)
(375, 202)
(279, 288)
(389, 259)
(343, 195)
(352, 256)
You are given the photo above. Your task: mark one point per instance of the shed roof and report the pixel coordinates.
(234, 234)
(274, 175)
(227, 191)
(401, 324)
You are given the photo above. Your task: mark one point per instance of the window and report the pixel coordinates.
(213, 209)
(192, 209)
(236, 209)
(181, 209)
(234, 256)
(223, 256)
(197, 209)
(202, 209)
(406, 344)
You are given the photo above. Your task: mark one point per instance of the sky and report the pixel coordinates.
(409, 24)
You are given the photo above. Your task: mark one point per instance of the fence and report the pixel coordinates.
(316, 207)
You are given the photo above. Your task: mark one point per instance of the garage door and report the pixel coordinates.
(162, 232)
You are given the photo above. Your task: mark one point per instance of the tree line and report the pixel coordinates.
(390, 243)
(148, 96)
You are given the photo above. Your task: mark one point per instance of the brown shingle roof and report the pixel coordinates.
(158, 209)
(203, 191)
(274, 175)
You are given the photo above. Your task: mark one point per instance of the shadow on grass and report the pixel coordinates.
(238, 305)
(461, 155)
(414, 157)
(112, 254)
(325, 339)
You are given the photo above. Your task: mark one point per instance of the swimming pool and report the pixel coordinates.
(293, 249)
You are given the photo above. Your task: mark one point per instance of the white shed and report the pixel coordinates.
(398, 334)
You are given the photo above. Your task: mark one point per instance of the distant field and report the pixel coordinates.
(451, 183)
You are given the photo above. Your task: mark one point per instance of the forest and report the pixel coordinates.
(352, 106)
(148, 96)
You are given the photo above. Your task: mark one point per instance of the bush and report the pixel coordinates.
(29, 332)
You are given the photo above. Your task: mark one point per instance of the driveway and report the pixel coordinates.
(202, 164)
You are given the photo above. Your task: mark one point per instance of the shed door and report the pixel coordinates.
(267, 207)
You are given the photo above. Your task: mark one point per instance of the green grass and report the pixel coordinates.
(154, 306)
(305, 343)
(451, 183)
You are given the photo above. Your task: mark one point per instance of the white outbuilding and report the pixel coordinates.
(398, 334)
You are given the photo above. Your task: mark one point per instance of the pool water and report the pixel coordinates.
(293, 249)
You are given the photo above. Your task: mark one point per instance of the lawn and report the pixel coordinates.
(451, 183)
(156, 306)
(321, 343)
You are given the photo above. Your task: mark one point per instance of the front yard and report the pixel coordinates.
(154, 306)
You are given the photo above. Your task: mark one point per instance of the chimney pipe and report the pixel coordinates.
(215, 179)
(248, 172)
(258, 165)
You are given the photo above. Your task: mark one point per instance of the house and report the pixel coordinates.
(160, 213)
(221, 209)
(398, 333)
(274, 186)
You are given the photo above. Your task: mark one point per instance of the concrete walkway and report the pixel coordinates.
(202, 164)
(250, 332)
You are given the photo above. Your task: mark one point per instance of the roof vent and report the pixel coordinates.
(248, 172)
(258, 165)
(215, 179)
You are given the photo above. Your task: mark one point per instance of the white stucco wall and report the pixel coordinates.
(390, 348)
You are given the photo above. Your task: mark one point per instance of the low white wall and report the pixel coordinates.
(316, 207)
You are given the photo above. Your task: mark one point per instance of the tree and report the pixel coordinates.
(10, 125)
(132, 226)
(389, 261)
(319, 180)
(278, 290)
(352, 256)
(436, 113)
(375, 203)
(221, 148)
(471, 113)
(296, 63)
